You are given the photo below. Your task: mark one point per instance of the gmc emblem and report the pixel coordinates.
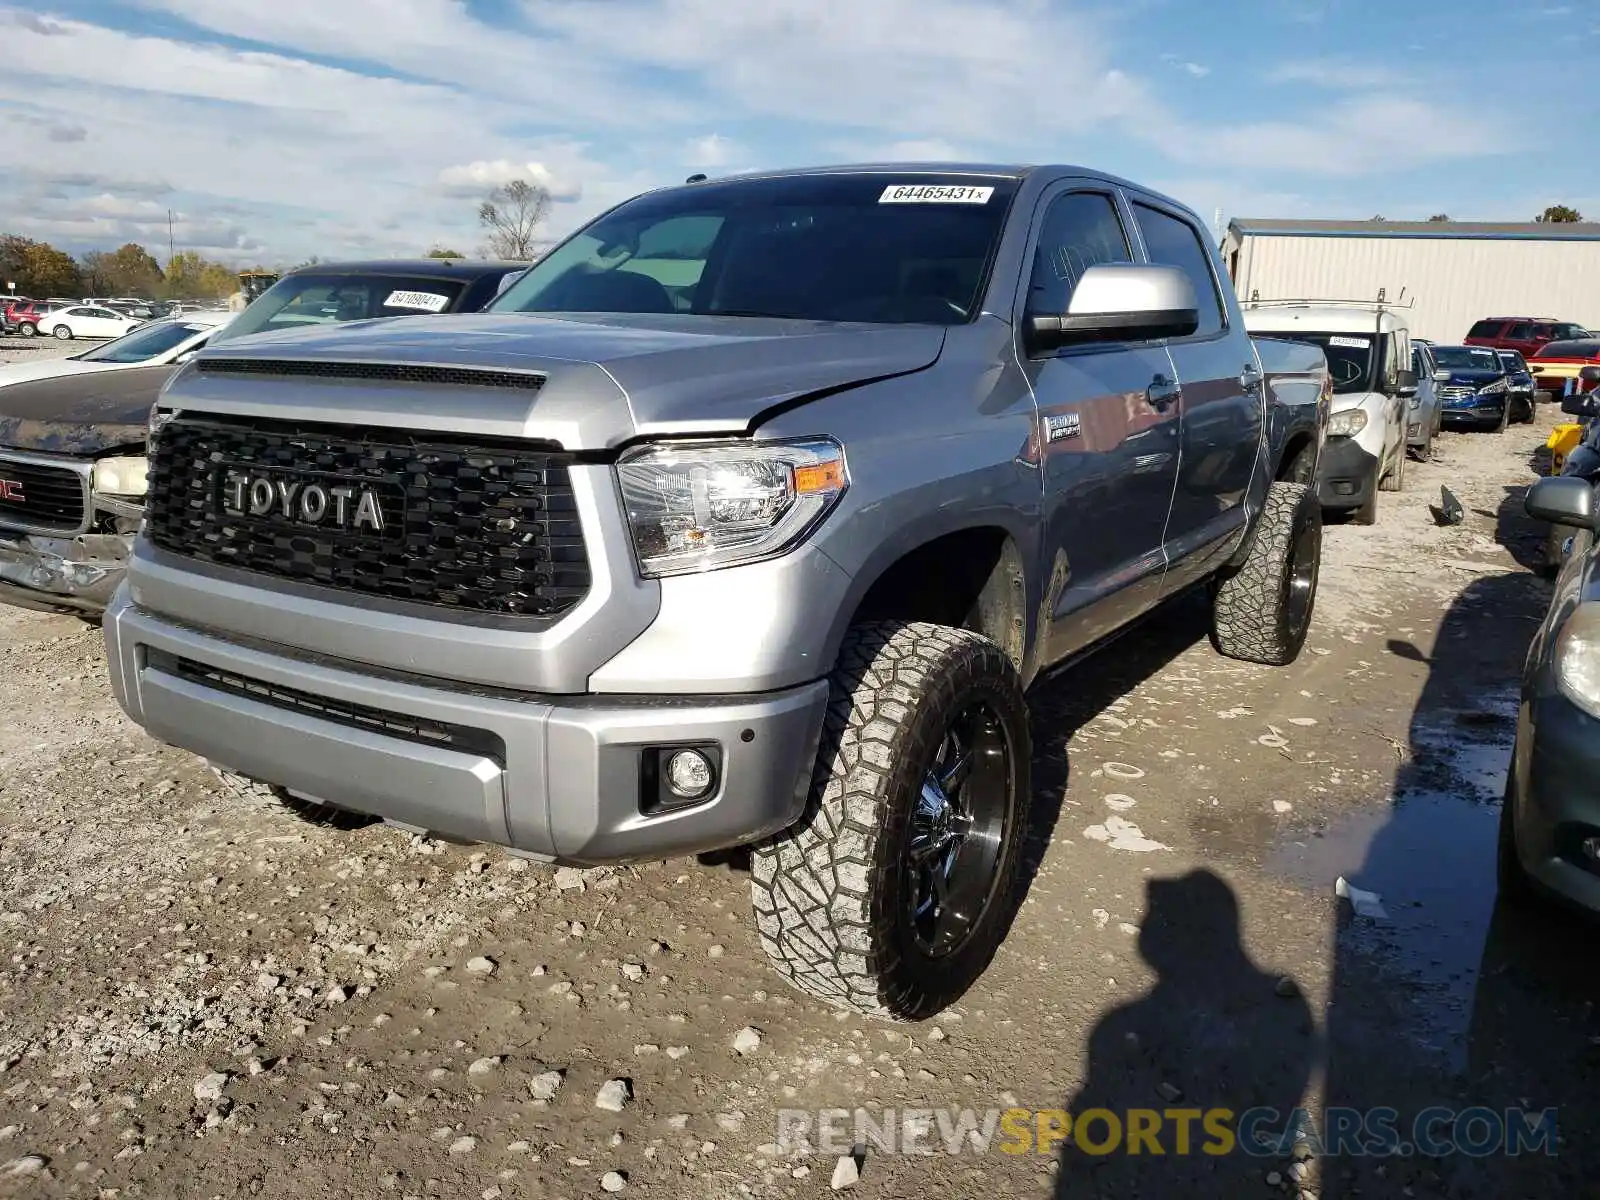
(11, 490)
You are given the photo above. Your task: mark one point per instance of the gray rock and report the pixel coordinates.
(613, 1181)
(483, 1066)
(632, 972)
(209, 1089)
(464, 1145)
(568, 879)
(482, 965)
(846, 1174)
(26, 1166)
(613, 1096)
(546, 1085)
(747, 1040)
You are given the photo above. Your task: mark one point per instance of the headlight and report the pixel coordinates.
(696, 508)
(1577, 658)
(1348, 423)
(122, 476)
(1490, 389)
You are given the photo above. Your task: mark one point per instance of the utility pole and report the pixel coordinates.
(169, 239)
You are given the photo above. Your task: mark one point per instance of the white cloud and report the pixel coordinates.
(1338, 73)
(1198, 70)
(476, 178)
(712, 151)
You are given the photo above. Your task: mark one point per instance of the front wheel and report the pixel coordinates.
(62, 333)
(1512, 880)
(893, 892)
(1261, 611)
(1395, 480)
(1505, 417)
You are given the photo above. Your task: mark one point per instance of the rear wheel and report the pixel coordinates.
(1261, 610)
(62, 333)
(27, 329)
(267, 795)
(893, 892)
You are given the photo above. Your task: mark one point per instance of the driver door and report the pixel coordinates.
(1108, 435)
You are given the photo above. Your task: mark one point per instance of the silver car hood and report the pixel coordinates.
(607, 379)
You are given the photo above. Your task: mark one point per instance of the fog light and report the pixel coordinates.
(689, 774)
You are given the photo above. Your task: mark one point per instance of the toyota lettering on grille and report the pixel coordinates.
(320, 504)
(11, 489)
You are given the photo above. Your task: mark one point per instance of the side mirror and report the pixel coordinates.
(1405, 382)
(1441, 376)
(1120, 302)
(1586, 404)
(1562, 500)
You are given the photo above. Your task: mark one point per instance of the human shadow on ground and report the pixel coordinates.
(1213, 1032)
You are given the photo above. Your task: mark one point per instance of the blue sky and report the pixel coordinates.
(277, 129)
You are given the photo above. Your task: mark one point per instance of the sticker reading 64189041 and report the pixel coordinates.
(426, 301)
(929, 193)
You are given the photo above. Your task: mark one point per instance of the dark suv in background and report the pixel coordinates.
(1526, 335)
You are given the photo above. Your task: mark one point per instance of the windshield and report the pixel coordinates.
(302, 300)
(1466, 358)
(1567, 333)
(144, 343)
(876, 248)
(1349, 357)
(1511, 360)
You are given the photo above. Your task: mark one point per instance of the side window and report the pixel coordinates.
(1543, 331)
(1081, 230)
(1175, 243)
(1520, 333)
(1484, 329)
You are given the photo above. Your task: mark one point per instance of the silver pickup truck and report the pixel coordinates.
(746, 517)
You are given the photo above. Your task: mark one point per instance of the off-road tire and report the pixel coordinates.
(265, 795)
(1252, 615)
(829, 891)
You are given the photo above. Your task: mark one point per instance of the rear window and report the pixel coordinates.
(1485, 329)
(300, 300)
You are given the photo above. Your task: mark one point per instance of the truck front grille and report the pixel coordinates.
(40, 496)
(479, 525)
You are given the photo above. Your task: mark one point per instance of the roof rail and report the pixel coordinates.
(1378, 305)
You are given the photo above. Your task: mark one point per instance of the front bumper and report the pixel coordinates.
(560, 777)
(1346, 474)
(1555, 795)
(78, 573)
(1476, 410)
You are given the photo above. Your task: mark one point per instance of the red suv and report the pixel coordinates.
(23, 316)
(1526, 335)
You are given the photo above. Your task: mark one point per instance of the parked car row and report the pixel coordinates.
(24, 317)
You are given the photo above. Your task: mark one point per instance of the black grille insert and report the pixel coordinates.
(389, 372)
(41, 496)
(480, 525)
(357, 716)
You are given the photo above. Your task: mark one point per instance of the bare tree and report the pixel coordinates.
(512, 214)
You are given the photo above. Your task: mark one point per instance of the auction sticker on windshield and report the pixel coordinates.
(925, 193)
(1350, 343)
(427, 301)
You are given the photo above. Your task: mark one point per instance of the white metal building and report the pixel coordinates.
(1452, 273)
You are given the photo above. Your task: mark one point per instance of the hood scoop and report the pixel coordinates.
(385, 372)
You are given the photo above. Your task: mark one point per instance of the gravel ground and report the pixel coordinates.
(36, 349)
(207, 1000)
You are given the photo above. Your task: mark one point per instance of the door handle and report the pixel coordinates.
(1162, 393)
(1250, 377)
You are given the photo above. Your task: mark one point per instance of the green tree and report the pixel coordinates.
(129, 271)
(38, 268)
(444, 252)
(1559, 214)
(1439, 217)
(190, 276)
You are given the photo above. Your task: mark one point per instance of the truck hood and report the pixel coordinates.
(1467, 377)
(85, 413)
(607, 378)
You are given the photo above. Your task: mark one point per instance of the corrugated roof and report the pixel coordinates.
(1580, 231)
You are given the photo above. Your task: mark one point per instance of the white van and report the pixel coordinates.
(1369, 355)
